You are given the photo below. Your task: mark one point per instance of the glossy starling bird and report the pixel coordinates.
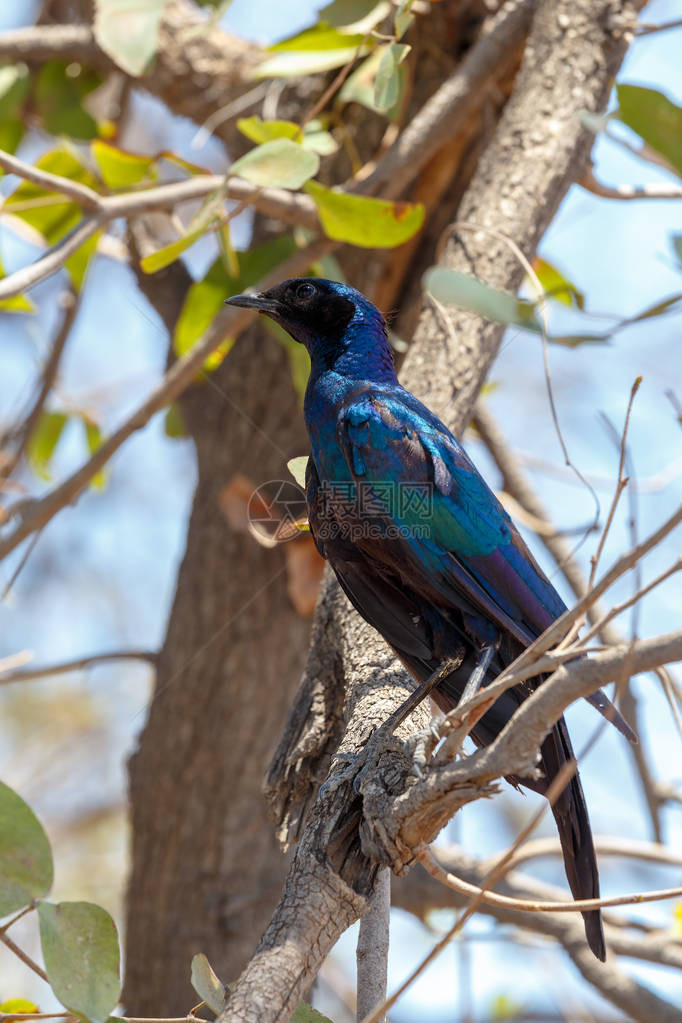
(419, 543)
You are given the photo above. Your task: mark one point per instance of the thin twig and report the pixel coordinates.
(630, 848)
(628, 192)
(372, 947)
(428, 860)
(25, 958)
(71, 305)
(79, 664)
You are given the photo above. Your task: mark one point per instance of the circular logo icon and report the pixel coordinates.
(276, 511)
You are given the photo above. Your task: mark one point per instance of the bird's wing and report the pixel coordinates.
(452, 534)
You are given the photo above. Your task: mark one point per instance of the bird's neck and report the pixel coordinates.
(362, 353)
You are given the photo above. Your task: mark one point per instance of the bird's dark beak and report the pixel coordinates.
(255, 300)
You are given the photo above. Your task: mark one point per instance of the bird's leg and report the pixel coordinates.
(358, 763)
(477, 676)
(420, 693)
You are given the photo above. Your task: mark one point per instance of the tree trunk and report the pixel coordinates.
(207, 870)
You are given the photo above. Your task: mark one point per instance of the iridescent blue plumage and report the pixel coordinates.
(418, 541)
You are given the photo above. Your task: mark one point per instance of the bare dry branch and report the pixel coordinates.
(79, 664)
(628, 192)
(372, 948)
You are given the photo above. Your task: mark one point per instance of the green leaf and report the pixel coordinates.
(17, 1005)
(44, 440)
(93, 440)
(277, 164)
(205, 298)
(655, 118)
(556, 286)
(82, 958)
(321, 142)
(14, 87)
(17, 303)
(388, 81)
(174, 422)
(128, 30)
(52, 214)
(369, 223)
(120, 169)
(453, 288)
(265, 131)
(304, 1013)
(297, 467)
(342, 13)
(206, 984)
(359, 86)
(60, 89)
(403, 19)
(56, 215)
(25, 855)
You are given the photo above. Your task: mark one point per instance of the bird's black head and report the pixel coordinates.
(334, 321)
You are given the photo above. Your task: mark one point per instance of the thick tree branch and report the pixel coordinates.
(196, 69)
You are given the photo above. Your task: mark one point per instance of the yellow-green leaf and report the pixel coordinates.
(317, 49)
(120, 169)
(655, 118)
(277, 164)
(174, 422)
(52, 214)
(210, 213)
(556, 286)
(13, 1006)
(370, 223)
(17, 303)
(265, 131)
(44, 440)
(321, 37)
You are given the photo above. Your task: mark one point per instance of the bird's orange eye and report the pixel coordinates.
(304, 292)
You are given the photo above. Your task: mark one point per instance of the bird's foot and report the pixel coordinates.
(421, 745)
(358, 768)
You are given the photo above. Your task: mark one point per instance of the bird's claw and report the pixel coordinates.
(359, 766)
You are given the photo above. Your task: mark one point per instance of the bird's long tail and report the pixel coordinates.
(575, 833)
